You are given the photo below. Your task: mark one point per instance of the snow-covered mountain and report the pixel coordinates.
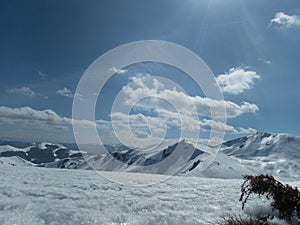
(137, 160)
(276, 154)
(37, 153)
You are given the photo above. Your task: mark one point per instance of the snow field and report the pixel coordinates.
(30, 195)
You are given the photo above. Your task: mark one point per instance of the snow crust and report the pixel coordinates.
(32, 195)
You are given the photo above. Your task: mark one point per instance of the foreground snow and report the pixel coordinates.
(31, 195)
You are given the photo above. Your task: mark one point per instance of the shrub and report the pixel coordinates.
(284, 198)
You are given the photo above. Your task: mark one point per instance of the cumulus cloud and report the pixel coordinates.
(138, 125)
(22, 90)
(216, 126)
(31, 116)
(285, 21)
(191, 123)
(42, 125)
(158, 108)
(145, 127)
(171, 108)
(135, 130)
(118, 71)
(237, 80)
(247, 130)
(184, 102)
(65, 92)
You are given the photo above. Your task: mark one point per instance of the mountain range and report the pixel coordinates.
(275, 154)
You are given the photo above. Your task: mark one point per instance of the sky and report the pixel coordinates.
(252, 47)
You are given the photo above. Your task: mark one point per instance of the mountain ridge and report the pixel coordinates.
(263, 152)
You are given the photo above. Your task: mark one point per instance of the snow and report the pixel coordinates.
(8, 148)
(43, 145)
(225, 167)
(31, 195)
(275, 154)
(35, 195)
(15, 161)
(262, 209)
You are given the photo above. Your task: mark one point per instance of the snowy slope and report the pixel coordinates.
(276, 154)
(15, 161)
(225, 167)
(264, 144)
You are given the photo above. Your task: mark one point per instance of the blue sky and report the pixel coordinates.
(251, 46)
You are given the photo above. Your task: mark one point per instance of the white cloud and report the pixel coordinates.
(138, 76)
(286, 21)
(185, 103)
(23, 91)
(247, 130)
(138, 125)
(191, 123)
(31, 116)
(38, 125)
(43, 76)
(118, 71)
(65, 92)
(42, 125)
(138, 130)
(237, 80)
(143, 130)
(151, 95)
(217, 126)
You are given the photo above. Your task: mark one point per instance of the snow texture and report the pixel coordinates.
(37, 196)
(32, 195)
